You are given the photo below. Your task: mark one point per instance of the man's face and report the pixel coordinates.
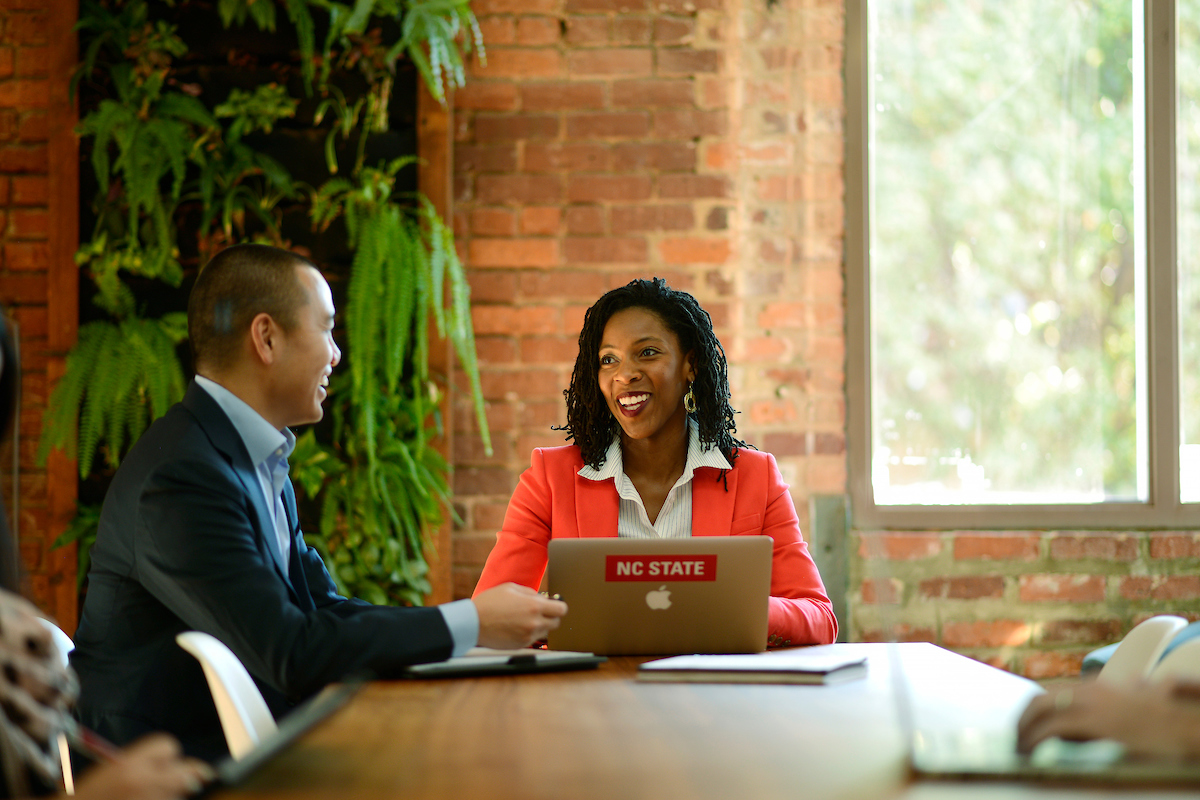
(308, 355)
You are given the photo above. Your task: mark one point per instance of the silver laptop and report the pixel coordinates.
(705, 594)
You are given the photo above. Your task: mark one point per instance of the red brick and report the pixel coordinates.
(562, 284)
(674, 30)
(667, 156)
(470, 449)
(544, 220)
(587, 30)
(882, 590)
(34, 322)
(520, 63)
(485, 7)
(562, 96)
(1068, 588)
(899, 546)
(606, 125)
(494, 350)
(653, 218)
(543, 414)
(24, 93)
(611, 61)
(9, 124)
(523, 383)
(694, 251)
(653, 93)
(27, 28)
(755, 348)
(569, 157)
(489, 516)
(483, 96)
(27, 289)
(603, 6)
(485, 158)
(538, 30)
(993, 633)
(785, 443)
(631, 30)
(473, 549)
(607, 250)
(493, 222)
(693, 187)
(24, 158)
(586, 219)
(600, 188)
(515, 321)
(782, 315)
(513, 253)
(689, 124)
(28, 224)
(483, 480)
(26, 256)
(550, 349)
(963, 587)
(1174, 545)
(513, 128)
(828, 444)
(996, 547)
(901, 632)
(519, 189)
(1159, 587)
(30, 190)
(1082, 631)
(492, 286)
(7, 62)
(498, 30)
(1053, 664)
(1102, 546)
(770, 412)
(686, 61)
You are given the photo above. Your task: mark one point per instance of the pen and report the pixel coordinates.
(90, 743)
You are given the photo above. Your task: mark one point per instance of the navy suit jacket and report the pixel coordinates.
(186, 542)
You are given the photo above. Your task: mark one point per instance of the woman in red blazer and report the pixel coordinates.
(654, 456)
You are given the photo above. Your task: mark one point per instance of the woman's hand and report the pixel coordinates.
(1150, 719)
(152, 768)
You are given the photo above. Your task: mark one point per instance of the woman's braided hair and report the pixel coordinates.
(589, 422)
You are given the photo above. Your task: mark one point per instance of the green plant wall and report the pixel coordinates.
(183, 166)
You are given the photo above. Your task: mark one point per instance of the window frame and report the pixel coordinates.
(1162, 508)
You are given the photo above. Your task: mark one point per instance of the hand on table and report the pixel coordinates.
(511, 616)
(152, 768)
(1150, 719)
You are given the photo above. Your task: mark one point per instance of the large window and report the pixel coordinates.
(1012, 171)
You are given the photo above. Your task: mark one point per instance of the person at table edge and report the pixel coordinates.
(199, 531)
(653, 455)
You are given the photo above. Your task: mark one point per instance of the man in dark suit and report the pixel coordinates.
(199, 531)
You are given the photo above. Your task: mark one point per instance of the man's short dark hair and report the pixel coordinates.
(234, 287)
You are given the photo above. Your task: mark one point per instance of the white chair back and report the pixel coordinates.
(1182, 662)
(64, 645)
(244, 715)
(1138, 653)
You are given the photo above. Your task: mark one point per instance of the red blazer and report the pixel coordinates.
(554, 501)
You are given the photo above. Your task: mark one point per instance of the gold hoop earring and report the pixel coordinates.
(689, 401)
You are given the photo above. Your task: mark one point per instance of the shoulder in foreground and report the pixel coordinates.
(563, 456)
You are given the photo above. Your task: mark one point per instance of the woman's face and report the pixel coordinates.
(644, 373)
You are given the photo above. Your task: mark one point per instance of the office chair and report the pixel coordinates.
(1137, 654)
(1182, 662)
(244, 715)
(64, 645)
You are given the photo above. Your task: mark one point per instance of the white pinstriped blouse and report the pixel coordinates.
(675, 519)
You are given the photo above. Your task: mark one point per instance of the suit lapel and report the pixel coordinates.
(295, 564)
(226, 439)
(596, 507)
(712, 506)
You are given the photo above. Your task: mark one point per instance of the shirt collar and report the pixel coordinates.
(697, 457)
(261, 439)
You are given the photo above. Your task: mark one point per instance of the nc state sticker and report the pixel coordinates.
(660, 568)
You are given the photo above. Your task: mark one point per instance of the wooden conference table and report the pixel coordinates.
(601, 734)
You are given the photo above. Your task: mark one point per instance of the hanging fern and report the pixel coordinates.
(118, 377)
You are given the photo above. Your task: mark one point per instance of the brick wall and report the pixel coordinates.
(38, 279)
(697, 140)
(1030, 602)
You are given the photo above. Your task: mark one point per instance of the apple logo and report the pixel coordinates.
(659, 599)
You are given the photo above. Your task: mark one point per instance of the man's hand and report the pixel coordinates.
(1150, 719)
(151, 768)
(515, 616)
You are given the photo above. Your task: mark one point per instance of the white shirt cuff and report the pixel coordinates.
(463, 621)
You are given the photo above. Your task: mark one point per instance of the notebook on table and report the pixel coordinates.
(704, 594)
